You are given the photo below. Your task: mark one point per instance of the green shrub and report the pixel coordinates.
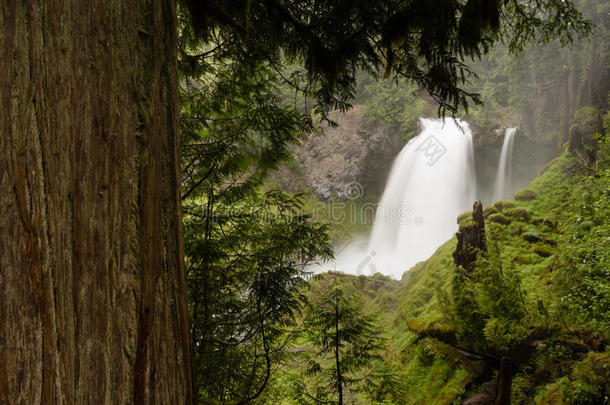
(589, 382)
(525, 195)
(521, 389)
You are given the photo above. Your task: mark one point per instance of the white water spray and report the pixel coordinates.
(504, 173)
(432, 181)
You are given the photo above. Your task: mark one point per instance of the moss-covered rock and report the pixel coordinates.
(490, 210)
(531, 236)
(499, 219)
(550, 222)
(504, 204)
(525, 195)
(519, 213)
(543, 250)
(463, 216)
(549, 241)
(522, 259)
(515, 228)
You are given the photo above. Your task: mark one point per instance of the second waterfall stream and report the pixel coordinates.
(503, 184)
(432, 181)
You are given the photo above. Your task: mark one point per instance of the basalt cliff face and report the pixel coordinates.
(349, 160)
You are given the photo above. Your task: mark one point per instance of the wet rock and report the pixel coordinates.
(490, 388)
(581, 146)
(354, 154)
(479, 399)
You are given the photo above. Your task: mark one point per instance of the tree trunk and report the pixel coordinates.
(505, 382)
(337, 348)
(93, 298)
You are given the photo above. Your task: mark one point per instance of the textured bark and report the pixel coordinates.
(470, 239)
(505, 382)
(93, 300)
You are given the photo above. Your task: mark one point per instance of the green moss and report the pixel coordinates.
(522, 259)
(550, 222)
(519, 213)
(525, 195)
(515, 228)
(585, 226)
(531, 236)
(548, 241)
(463, 216)
(495, 228)
(543, 250)
(504, 204)
(499, 219)
(489, 211)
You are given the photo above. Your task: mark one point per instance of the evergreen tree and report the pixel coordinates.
(346, 345)
(429, 43)
(246, 247)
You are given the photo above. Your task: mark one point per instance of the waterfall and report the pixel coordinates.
(504, 172)
(432, 181)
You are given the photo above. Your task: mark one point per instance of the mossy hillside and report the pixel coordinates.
(418, 299)
(528, 241)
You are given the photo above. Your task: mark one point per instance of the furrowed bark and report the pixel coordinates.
(93, 297)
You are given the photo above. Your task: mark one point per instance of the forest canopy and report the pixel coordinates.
(427, 42)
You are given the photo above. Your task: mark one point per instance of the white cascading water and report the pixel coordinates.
(504, 172)
(432, 181)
